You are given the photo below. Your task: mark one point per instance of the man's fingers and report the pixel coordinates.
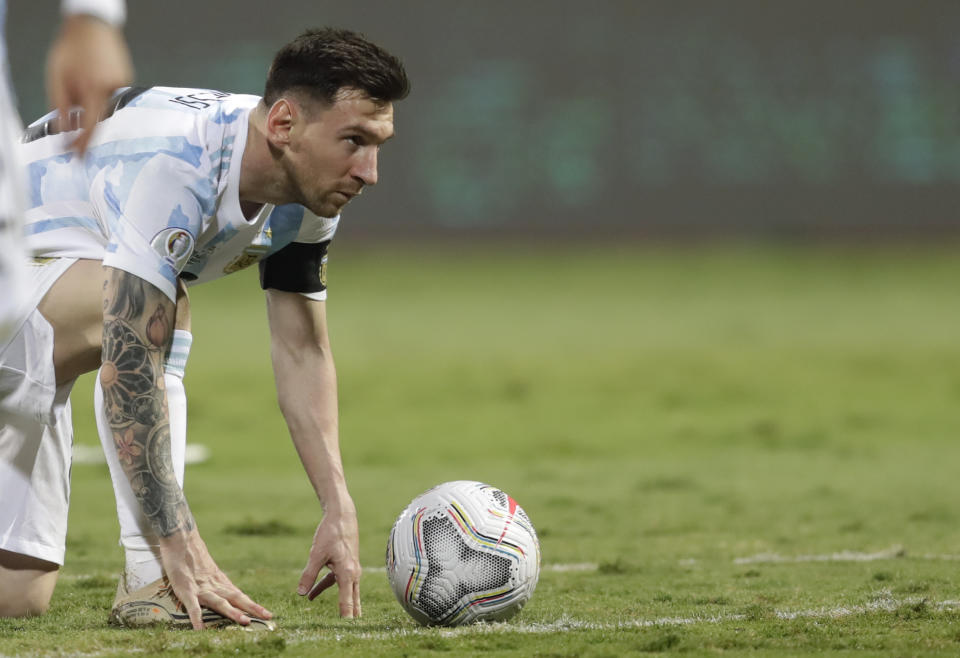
(219, 604)
(350, 595)
(350, 599)
(309, 576)
(186, 591)
(240, 600)
(322, 584)
(196, 614)
(227, 600)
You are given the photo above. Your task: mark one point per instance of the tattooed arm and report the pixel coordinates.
(137, 329)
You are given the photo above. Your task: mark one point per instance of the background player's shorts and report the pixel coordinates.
(35, 484)
(36, 433)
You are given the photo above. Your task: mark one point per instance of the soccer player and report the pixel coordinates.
(181, 186)
(86, 63)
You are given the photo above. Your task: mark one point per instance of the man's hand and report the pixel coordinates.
(87, 62)
(198, 581)
(336, 546)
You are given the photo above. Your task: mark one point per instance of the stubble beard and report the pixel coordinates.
(322, 205)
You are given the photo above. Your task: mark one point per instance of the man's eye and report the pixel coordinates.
(355, 140)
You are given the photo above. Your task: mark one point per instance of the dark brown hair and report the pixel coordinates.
(321, 62)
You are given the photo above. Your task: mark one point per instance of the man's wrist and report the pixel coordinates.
(339, 504)
(178, 537)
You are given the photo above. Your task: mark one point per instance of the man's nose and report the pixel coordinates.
(366, 169)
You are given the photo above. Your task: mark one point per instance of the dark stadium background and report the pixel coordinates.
(570, 119)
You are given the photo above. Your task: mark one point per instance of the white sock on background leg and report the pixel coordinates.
(140, 544)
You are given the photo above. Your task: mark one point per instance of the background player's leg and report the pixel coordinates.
(140, 544)
(27, 584)
(34, 488)
(36, 436)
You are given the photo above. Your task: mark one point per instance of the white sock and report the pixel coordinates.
(140, 544)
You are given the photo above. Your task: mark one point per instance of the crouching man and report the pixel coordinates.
(179, 187)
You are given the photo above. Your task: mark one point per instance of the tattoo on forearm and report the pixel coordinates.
(128, 298)
(137, 329)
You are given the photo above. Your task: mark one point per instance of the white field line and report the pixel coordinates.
(891, 553)
(840, 556)
(883, 602)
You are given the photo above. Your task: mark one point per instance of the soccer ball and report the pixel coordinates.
(463, 552)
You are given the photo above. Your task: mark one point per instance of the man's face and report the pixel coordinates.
(332, 153)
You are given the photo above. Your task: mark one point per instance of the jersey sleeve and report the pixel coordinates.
(155, 213)
(110, 11)
(301, 266)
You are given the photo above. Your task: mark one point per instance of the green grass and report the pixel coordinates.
(659, 412)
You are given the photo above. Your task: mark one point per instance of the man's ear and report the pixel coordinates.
(281, 117)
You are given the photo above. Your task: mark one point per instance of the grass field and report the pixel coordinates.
(726, 450)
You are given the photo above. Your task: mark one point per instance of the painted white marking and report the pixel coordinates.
(943, 556)
(194, 453)
(575, 566)
(883, 601)
(891, 553)
(840, 556)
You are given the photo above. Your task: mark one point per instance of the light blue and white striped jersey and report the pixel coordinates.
(157, 194)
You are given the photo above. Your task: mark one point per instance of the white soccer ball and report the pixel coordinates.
(463, 552)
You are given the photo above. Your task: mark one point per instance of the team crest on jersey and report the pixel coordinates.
(175, 245)
(242, 261)
(250, 255)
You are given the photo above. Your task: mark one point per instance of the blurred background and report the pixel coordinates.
(567, 119)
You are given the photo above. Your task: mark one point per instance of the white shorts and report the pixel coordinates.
(27, 380)
(36, 433)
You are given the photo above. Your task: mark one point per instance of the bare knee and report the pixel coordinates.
(27, 605)
(27, 583)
